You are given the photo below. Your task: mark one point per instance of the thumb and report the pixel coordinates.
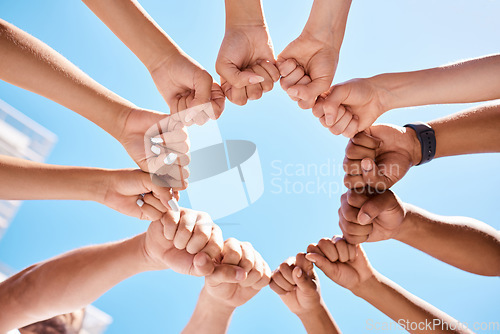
(372, 176)
(227, 273)
(237, 78)
(329, 268)
(375, 205)
(203, 264)
(303, 281)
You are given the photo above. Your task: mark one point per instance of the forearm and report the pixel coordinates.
(327, 21)
(471, 131)
(209, 316)
(319, 321)
(462, 242)
(28, 180)
(136, 29)
(407, 310)
(30, 64)
(244, 12)
(68, 282)
(469, 81)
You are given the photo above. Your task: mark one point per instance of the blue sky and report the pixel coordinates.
(382, 36)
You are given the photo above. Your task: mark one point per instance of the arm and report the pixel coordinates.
(308, 64)
(469, 81)
(383, 154)
(297, 284)
(241, 274)
(75, 279)
(118, 189)
(462, 242)
(246, 61)
(348, 266)
(173, 71)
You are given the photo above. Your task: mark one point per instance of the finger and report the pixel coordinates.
(150, 212)
(365, 140)
(328, 248)
(268, 83)
(341, 246)
(356, 197)
(170, 222)
(302, 280)
(247, 256)
(218, 100)
(291, 80)
(354, 181)
(165, 139)
(347, 211)
(155, 203)
(286, 67)
(330, 269)
(238, 96)
(319, 109)
(271, 70)
(342, 123)
(276, 288)
(203, 265)
(352, 252)
(286, 270)
(377, 204)
(254, 92)
(202, 88)
(308, 93)
(185, 229)
(304, 81)
(355, 152)
(352, 128)
(281, 282)
(355, 239)
(354, 229)
(338, 94)
(373, 176)
(313, 248)
(266, 276)
(200, 237)
(255, 274)
(226, 273)
(352, 167)
(175, 173)
(215, 244)
(237, 78)
(306, 265)
(232, 252)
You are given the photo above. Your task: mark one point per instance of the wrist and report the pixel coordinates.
(367, 287)
(413, 146)
(244, 13)
(408, 227)
(213, 306)
(312, 312)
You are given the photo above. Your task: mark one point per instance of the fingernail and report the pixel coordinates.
(310, 258)
(174, 205)
(156, 140)
(140, 203)
(365, 219)
(299, 273)
(155, 149)
(366, 164)
(256, 80)
(170, 158)
(292, 92)
(240, 275)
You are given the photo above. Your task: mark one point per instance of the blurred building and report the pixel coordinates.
(22, 137)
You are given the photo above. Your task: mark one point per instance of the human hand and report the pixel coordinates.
(159, 144)
(345, 264)
(351, 107)
(184, 84)
(241, 274)
(307, 66)
(133, 193)
(189, 243)
(380, 157)
(370, 218)
(297, 285)
(246, 62)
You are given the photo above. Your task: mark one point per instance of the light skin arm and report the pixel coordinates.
(365, 100)
(297, 284)
(462, 242)
(182, 82)
(349, 267)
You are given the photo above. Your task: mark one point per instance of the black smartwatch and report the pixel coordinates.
(427, 139)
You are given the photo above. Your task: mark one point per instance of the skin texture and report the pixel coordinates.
(307, 65)
(349, 267)
(181, 81)
(462, 242)
(381, 156)
(246, 60)
(75, 279)
(353, 106)
(241, 274)
(118, 189)
(297, 284)
(30, 64)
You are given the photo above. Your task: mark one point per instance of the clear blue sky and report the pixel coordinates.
(381, 36)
